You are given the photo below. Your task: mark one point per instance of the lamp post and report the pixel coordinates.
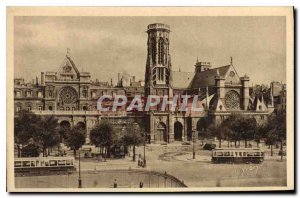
(145, 137)
(79, 176)
(193, 139)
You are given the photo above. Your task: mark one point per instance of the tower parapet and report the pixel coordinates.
(202, 66)
(159, 26)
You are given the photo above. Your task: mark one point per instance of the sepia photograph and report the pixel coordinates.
(150, 99)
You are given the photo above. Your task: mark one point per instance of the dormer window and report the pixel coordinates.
(18, 94)
(28, 94)
(40, 95)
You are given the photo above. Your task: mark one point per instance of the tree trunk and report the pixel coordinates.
(239, 143)
(220, 143)
(271, 149)
(228, 143)
(19, 151)
(257, 144)
(246, 143)
(133, 157)
(105, 153)
(235, 143)
(281, 157)
(74, 151)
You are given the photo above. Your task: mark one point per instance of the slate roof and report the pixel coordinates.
(199, 80)
(182, 79)
(207, 78)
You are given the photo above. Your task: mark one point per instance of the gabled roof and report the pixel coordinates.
(68, 62)
(73, 64)
(182, 79)
(207, 78)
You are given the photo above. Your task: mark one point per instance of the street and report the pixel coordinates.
(174, 159)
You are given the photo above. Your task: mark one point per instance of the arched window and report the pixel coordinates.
(29, 108)
(221, 107)
(161, 51)
(84, 93)
(167, 50)
(153, 50)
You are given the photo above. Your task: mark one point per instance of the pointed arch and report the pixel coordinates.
(178, 128)
(161, 50)
(161, 132)
(153, 50)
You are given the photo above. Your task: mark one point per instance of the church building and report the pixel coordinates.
(71, 95)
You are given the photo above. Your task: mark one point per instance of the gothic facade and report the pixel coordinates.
(72, 96)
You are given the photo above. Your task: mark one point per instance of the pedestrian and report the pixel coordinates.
(141, 184)
(115, 184)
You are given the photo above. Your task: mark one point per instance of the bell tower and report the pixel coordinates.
(158, 82)
(158, 65)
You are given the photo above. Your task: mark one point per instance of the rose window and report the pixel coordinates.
(232, 100)
(68, 95)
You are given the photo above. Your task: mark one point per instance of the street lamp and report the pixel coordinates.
(79, 176)
(145, 137)
(193, 139)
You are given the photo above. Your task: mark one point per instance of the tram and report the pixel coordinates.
(43, 165)
(237, 155)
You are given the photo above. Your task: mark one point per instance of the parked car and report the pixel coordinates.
(209, 146)
(282, 152)
(186, 143)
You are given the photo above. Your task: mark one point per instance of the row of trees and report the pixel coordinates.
(238, 128)
(30, 129)
(104, 136)
(42, 133)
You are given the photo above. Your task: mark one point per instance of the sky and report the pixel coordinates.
(105, 46)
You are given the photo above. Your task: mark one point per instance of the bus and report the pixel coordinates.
(43, 165)
(237, 155)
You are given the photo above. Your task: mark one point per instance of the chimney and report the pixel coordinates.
(42, 78)
(111, 83)
(36, 80)
(133, 78)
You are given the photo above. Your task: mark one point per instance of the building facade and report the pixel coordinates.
(72, 96)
